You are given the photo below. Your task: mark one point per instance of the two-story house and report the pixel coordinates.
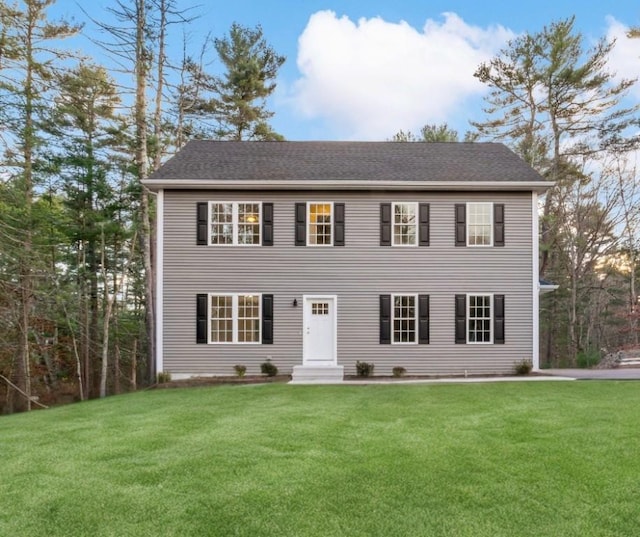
(318, 254)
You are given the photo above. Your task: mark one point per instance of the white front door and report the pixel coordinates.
(319, 330)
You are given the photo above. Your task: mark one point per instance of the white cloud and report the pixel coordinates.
(369, 80)
(624, 60)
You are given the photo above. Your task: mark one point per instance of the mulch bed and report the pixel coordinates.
(261, 379)
(215, 381)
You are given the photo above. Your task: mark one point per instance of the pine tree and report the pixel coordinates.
(29, 62)
(238, 101)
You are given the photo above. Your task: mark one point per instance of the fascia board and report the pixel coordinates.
(182, 184)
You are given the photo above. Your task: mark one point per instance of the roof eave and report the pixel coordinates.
(544, 289)
(182, 184)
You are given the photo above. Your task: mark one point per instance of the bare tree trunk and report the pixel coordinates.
(134, 364)
(157, 115)
(106, 318)
(23, 371)
(142, 67)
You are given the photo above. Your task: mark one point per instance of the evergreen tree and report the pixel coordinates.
(86, 123)
(428, 133)
(238, 101)
(556, 104)
(29, 63)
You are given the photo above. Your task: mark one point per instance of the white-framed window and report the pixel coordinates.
(235, 223)
(319, 223)
(479, 318)
(479, 224)
(235, 318)
(404, 318)
(405, 226)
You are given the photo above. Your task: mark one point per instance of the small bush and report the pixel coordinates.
(588, 358)
(364, 369)
(240, 370)
(164, 377)
(523, 367)
(268, 368)
(399, 371)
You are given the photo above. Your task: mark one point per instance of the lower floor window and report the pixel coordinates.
(479, 319)
(234, 318)
(404, 318)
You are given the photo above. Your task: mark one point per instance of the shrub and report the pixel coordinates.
(240, 370)
(523, 367)
(364, 369)
(164, 377)
(399, 371)
(588, 358)
(268, 368)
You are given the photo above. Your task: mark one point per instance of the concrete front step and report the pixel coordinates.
(315, 374)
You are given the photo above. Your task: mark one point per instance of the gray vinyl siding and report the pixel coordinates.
(357, 274)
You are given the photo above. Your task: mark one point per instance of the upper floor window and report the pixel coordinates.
(479, 224)
(404, 224)
(236, 223)
(320, 224)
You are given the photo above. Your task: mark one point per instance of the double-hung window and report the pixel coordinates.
(479, 224)
(480, 318)
(320, 224)
(234, 318)
(405, 226)
(404, 318)
(235, 223)
(229, 223)
(404, 223)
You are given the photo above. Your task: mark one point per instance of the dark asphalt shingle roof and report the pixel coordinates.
(345, 161)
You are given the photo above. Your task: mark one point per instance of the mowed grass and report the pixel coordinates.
(495, 459)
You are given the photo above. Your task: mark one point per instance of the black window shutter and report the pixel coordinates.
(498, 319)
(267, 224)
(385, 319)
(202, 223)
(423, 319)
(423, 214)
(202, 305)
(338, 224)
(301, 224)
(461, 224)
(498, 224)
(461, 318)
(267, 319)
(385, 224)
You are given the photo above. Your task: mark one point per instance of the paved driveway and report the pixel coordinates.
(595, 374)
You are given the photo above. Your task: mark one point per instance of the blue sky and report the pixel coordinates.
(363, 69)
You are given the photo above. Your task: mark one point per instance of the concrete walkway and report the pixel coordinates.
(595, 374)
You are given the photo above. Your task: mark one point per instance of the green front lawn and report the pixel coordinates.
(503, 459)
